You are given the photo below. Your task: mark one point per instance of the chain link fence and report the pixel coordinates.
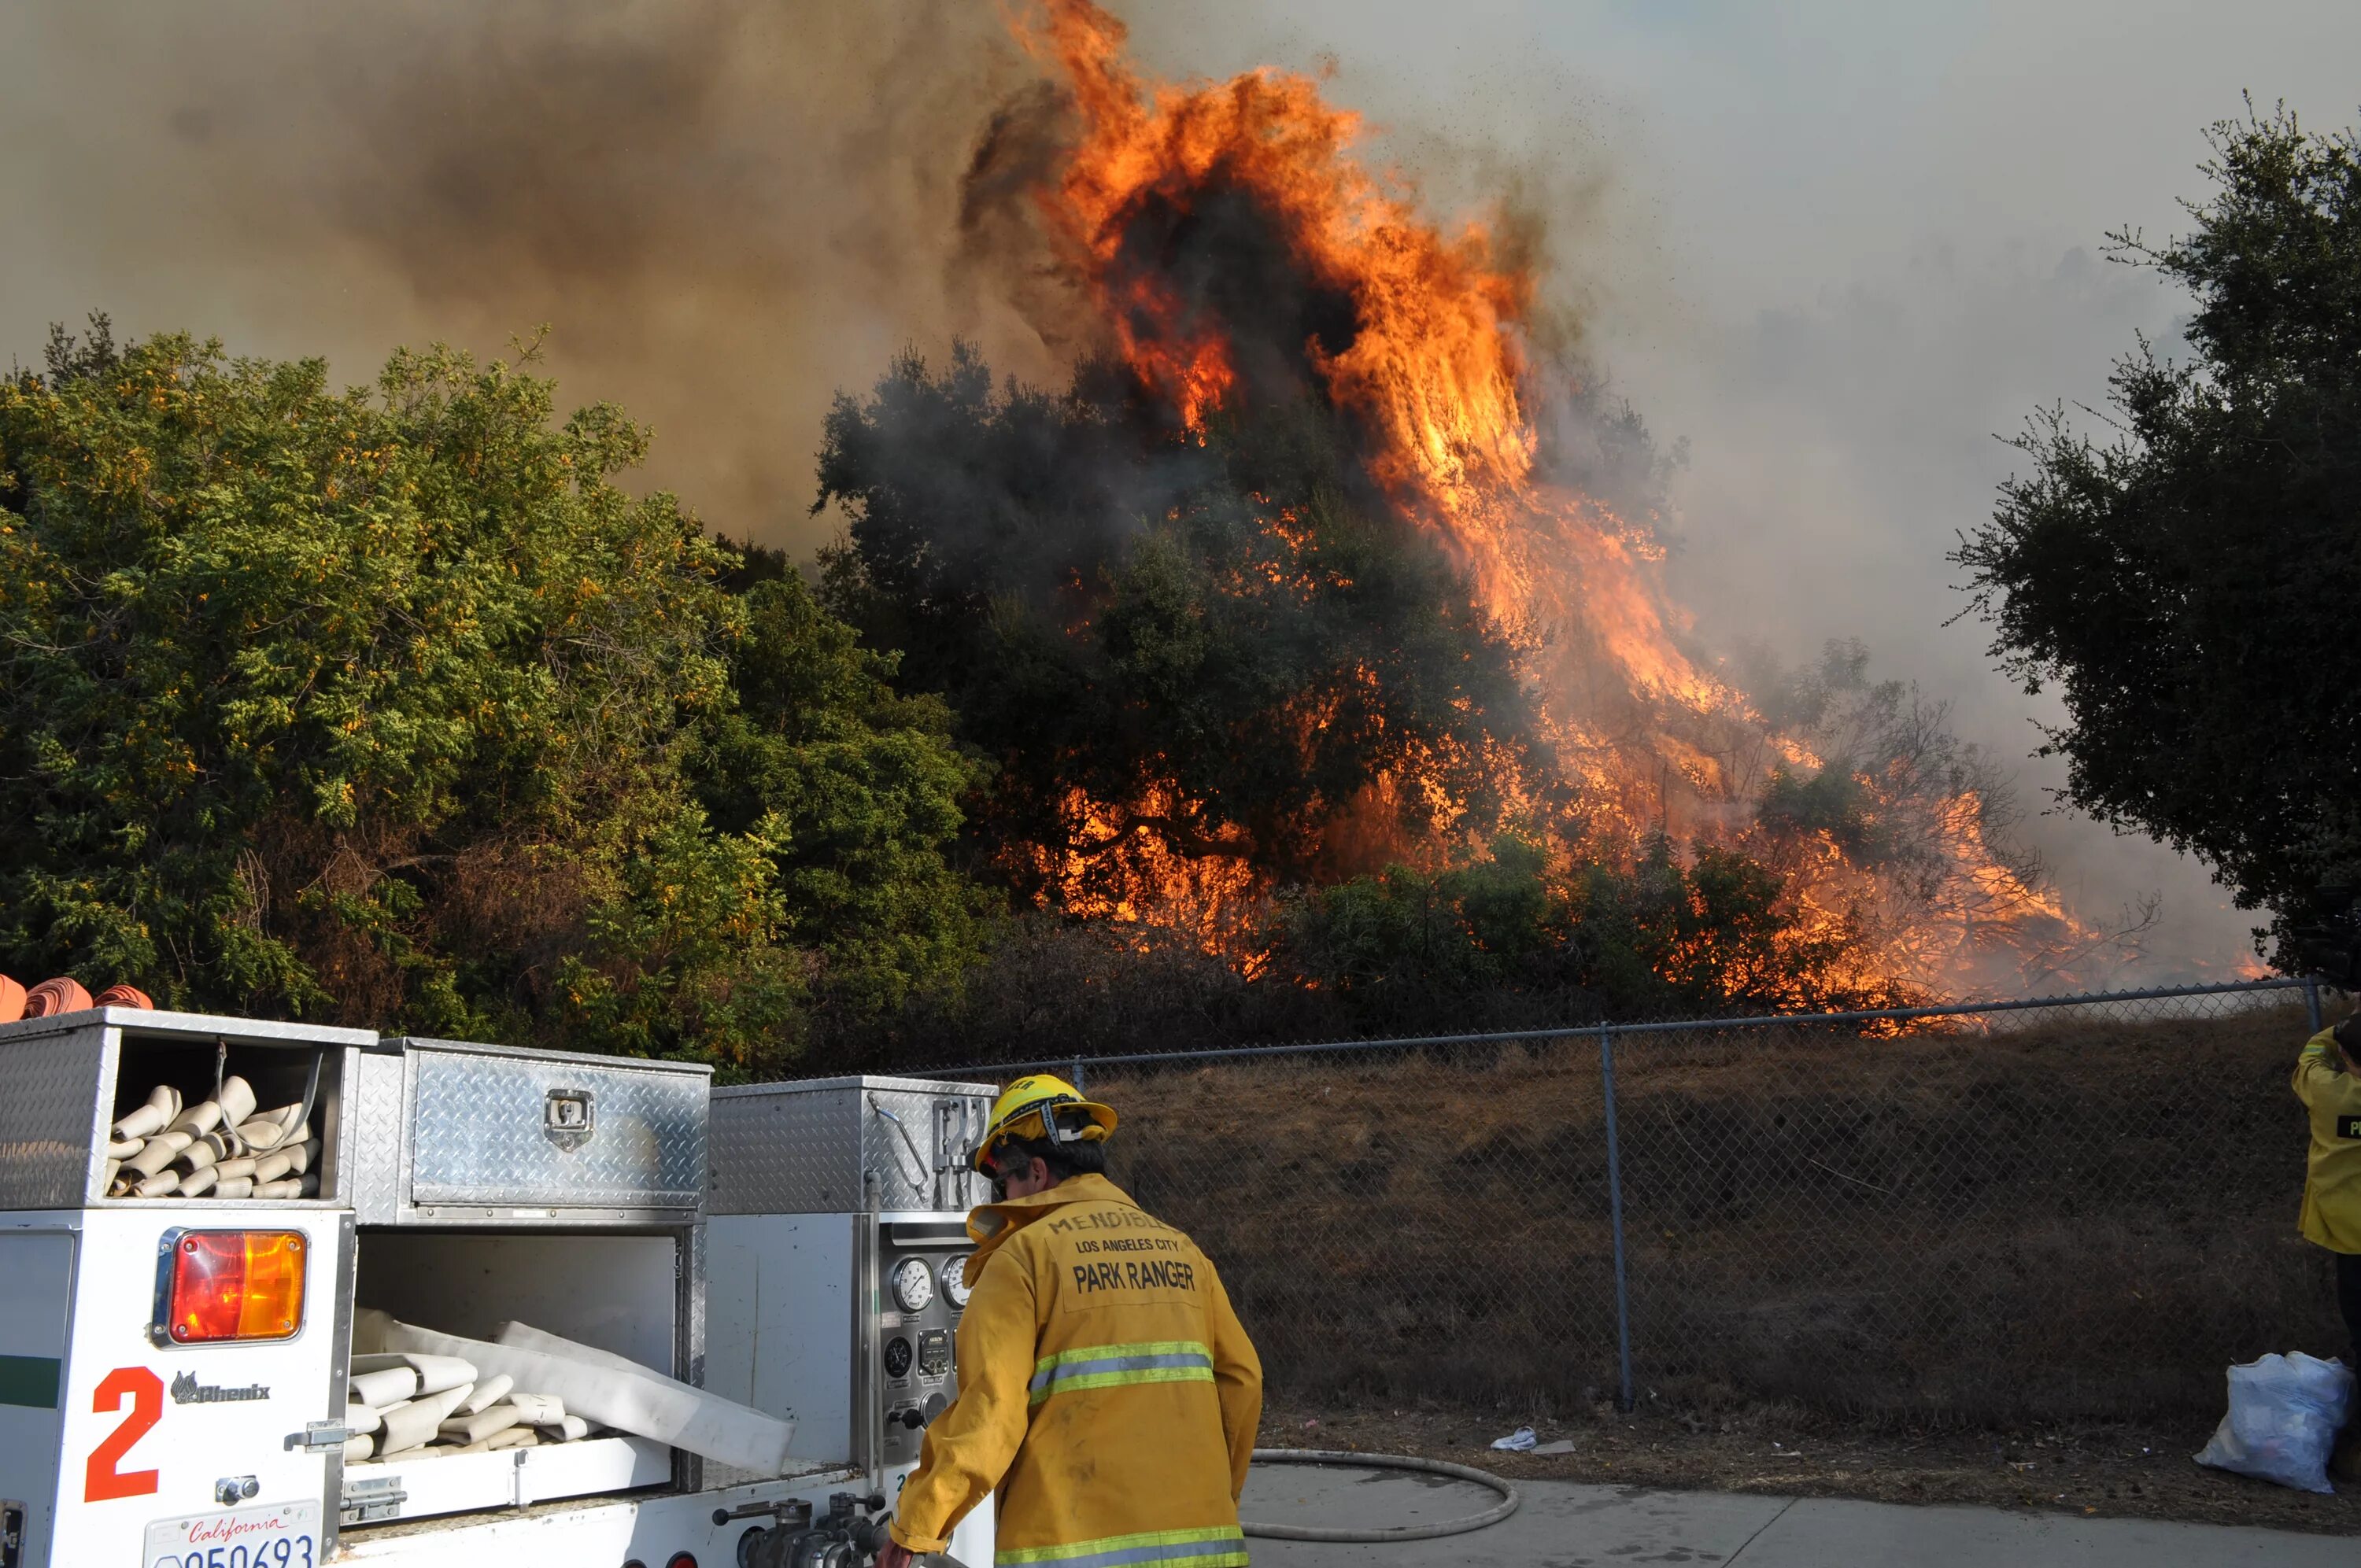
(2068, 1208)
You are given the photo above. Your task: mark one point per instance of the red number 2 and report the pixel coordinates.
(102, 1480)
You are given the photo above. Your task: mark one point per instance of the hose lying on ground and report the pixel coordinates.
(1493, 1515)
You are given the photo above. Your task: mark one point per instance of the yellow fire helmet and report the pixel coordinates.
(1039, 1105)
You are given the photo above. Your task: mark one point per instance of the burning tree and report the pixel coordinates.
(1302, 576)
(1203, 662)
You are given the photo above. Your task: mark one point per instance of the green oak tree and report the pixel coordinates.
(389, 705)
(2189, 586)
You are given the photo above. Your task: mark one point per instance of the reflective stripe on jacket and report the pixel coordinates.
(2332, 1183)
(1105, 1390)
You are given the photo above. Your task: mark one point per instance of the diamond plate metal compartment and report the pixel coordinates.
(835, 1146)
(49, 1086)
(490, 1127)
(373, 1107)
(58, 1090)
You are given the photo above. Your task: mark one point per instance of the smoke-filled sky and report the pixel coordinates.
(1837, 247)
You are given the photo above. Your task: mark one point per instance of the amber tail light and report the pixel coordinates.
(221, 1286)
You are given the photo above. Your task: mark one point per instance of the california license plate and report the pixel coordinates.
(285, 1536)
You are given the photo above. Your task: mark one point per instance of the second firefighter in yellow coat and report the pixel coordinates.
(1105, 1389)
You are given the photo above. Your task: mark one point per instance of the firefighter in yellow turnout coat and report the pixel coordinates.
(2330, 1087)
(1105, 1389)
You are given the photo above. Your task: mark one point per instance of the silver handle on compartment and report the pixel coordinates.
(318, 1437)
(918, 1184)
(955, 1152)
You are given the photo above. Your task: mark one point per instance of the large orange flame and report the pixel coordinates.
(1434, 366)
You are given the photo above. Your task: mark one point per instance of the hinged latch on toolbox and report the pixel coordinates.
(366, 1502)
(568, 1117)
(318, 1437)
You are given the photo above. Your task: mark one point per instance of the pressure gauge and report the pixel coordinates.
(914, 1284)
(955, 1287)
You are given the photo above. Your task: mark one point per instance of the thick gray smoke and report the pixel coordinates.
(724, 211)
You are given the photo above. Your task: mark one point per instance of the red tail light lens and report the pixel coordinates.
(235, 1285)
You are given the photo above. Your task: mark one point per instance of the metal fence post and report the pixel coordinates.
(1079, 1083)
(2311, 1000)
(1625, 1398)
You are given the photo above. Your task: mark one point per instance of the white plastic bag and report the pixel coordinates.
(2285, 1413)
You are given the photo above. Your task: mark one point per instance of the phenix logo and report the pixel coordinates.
(187, 1390)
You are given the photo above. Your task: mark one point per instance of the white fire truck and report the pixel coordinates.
(179, 1380)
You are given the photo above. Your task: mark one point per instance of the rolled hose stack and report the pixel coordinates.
(404, 1407)
(63, 995)
(219, 1147)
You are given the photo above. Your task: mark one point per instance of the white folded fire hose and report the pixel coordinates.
(1491, 1516)
(604, 1387)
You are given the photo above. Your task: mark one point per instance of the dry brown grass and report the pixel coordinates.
(2076, 1219)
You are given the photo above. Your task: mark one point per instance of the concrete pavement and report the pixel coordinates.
(1566, 1525)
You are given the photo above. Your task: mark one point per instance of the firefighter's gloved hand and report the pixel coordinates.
(895, 1555)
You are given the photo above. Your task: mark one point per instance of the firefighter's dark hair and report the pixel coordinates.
(1063, 1159)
